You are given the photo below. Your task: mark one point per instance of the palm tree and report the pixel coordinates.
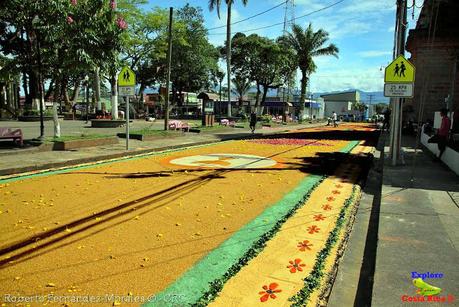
(215, 4)
(308, 44)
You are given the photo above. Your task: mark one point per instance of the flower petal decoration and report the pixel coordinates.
(319, 217)
(269, 292)
(305, 245)
(296, 265)
(313, 229)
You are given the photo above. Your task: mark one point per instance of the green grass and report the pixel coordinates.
(148, 131)
(66, 138)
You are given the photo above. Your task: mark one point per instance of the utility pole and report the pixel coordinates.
(228, 54)
(169, 62)
(289, 16)
(369, 103)
(396, 120)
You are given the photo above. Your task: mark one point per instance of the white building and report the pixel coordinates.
(341, 103)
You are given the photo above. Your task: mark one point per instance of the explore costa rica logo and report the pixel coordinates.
(425, 291)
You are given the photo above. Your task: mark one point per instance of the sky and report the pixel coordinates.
(362, 30)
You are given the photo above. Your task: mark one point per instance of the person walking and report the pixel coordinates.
(386, 122)
(443, 132)
(335, 119)
(253, 121)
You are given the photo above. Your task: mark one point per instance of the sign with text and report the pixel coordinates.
(126, 91)
(401, 90)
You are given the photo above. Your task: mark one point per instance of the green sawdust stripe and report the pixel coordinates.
(64, 169)
(202, 282)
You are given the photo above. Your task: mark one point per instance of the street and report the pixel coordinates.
(135, 226)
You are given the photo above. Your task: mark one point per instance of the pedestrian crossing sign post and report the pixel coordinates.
(126, 86)
(399, 78)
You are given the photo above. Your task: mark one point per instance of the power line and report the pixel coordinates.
(250, 17)
(281, 23)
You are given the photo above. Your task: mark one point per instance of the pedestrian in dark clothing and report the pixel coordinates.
(443, 132)
(253, 121)
(386, 122)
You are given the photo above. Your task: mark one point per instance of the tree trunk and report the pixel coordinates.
(304, 84)
(56, 100)
(141, 101)
(228, 55)
(33, 90)
(28, 100)
(221, 90)
(257, 97)
(50, 89)
(65, 93)
(96, 88)
(263, 99)
(76, 91)
(114, 91)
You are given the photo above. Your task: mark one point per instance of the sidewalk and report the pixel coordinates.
(17, 161)
(418, 228)
(406, 222)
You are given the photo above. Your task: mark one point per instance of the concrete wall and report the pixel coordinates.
(340, 107)
(434, 80)
(449, 157)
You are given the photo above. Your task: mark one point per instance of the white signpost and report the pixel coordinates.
(126, 88)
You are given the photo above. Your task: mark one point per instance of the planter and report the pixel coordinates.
(74, 144)
(107, 123)
(150, 137)
(36, 118)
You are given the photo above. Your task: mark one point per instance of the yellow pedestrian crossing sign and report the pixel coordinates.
(400, 71)
(126, 77)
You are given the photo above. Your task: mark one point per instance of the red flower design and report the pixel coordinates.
(338, 186)
(330, 198)
(69, 20)
(313, 229)
(269, 292)
(327, 207)
(319, 217)
(336, 192)
(74, 2)
(305, 245)
(296, 266)
(285, 141)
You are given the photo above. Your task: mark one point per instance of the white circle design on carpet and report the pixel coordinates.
(225, 161)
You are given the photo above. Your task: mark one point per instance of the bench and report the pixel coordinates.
(226, 122)
(179, 125)
(9, 133)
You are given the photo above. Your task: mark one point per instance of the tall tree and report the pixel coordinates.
(216, 4)
(194, 59)
(241, 87)
(308, 44)
(262, 61)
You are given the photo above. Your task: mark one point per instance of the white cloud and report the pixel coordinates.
(374, 53)
(366, 79)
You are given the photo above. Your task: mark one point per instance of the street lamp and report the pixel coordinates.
(86, 84)
(35, 22)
